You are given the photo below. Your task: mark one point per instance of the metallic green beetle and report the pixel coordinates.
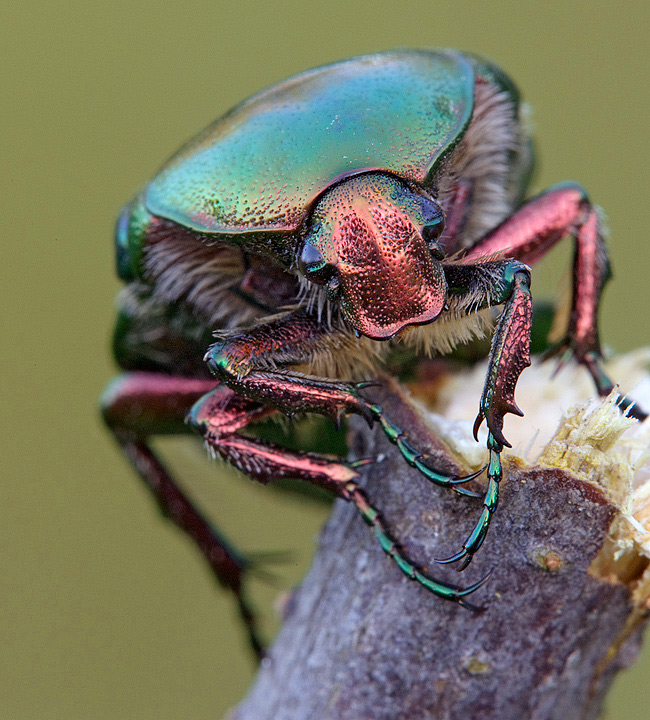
(370, 202)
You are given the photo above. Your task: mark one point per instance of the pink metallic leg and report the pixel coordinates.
(220, 414)
(139, 404)
(509, 355)
(533, 230)
(265, 462)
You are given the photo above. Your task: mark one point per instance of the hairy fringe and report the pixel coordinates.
(312, 297)
(484, 156)
(448, 331)
(201, 275)
(464, 320)
(342, 355)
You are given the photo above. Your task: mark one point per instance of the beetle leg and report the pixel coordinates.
(355, 494)
(218, 416)
(509, 355)
(264, 462)
(419, 461)
(475, 538)
(247, 362)
(139, 404)
(528, 234)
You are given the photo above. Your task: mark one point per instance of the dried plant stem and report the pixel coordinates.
(361, 641)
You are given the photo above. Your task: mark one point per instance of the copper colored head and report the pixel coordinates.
(371, 241)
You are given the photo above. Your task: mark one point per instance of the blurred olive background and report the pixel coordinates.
(107, 611)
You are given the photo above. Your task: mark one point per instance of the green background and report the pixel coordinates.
(106, 611)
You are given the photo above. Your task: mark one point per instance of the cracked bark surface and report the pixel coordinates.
(362, 641)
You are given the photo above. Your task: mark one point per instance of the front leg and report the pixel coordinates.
(247, 362)
(528, 234)
(491, 284)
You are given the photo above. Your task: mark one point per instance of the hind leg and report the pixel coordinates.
(137, 406)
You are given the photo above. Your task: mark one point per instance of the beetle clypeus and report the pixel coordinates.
(373, 200)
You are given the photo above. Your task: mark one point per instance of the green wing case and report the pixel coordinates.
(261, 165)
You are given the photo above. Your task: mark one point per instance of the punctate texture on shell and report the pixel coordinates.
(262, 164)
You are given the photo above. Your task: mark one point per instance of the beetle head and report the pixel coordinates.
(371, 241)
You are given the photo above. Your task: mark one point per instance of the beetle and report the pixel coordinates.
(273, 261)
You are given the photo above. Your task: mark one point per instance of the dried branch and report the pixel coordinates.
(563, 610)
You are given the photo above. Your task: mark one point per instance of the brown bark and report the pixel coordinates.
(362, 641)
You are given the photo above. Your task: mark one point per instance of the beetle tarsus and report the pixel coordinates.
(604, 386)
(371, 516)
(490, 501)
(449, 480)
(629, 407)
(418, 460)
(470, 606)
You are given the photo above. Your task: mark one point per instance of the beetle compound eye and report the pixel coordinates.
(313, 265)
(434, 223)
(430, 234)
